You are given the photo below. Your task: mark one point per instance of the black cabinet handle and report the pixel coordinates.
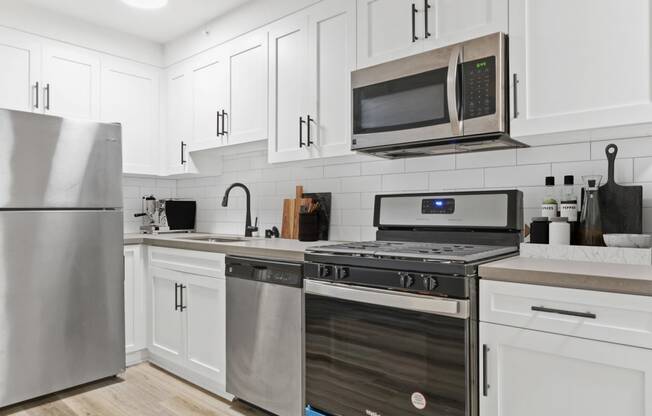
(309, 141)
(516, 96)
(36, 89)
(218, 124)
(182, 306)
(426, 6)
(176, 296)
(225, 115)
(485, 385)
(301, 123)
(47, 96)
(183, 146)
(588, 315)
(414, 29)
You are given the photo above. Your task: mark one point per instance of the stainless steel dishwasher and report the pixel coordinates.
(264, 334)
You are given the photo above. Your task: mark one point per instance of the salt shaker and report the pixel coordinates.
(560, 231)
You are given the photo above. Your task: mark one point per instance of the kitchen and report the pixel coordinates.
(410, 162)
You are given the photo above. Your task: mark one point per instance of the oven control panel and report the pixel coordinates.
(479, 88)
(438, 206)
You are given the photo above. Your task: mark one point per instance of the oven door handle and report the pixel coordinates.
(451, 92)
(408, 301)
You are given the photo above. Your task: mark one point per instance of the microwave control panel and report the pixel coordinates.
(479, 87)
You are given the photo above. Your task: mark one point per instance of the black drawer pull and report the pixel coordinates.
(563, 312)
(485, 384)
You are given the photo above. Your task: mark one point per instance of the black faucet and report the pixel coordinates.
(249, 229)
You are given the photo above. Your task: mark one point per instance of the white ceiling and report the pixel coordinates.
(162, 25)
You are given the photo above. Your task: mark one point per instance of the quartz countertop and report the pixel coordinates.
(274, 248)
(605, 277)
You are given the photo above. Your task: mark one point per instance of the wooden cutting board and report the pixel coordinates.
(291, 209)
(299, 201)
(621, 207)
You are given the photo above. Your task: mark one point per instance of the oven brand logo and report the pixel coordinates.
(371, 413)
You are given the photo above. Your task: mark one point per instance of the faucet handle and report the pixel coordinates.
(254, 227)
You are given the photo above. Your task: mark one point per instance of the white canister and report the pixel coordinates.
(560, 231)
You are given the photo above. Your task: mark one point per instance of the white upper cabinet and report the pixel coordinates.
(245, 119)
(392, 29)
(311, 58)
(209, 97)
(579, 64)
(288, 71)
(71, 78)
(130, 96)
(179, 120)
(20, 71)
(331, 40)
(387, 30)
(533, 373)
(451, 21)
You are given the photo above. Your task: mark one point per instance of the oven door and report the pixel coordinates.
(384, 353)
(408, 100)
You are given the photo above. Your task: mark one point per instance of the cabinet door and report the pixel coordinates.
(71, 78)
(20, 71)
(541, 374)
(246, 118)
(451, 21)
(179, 120)
(209, 90)
(288, 86)
(205, 326)
(385, 29)
(167, 324)
(576, 70)
(135, 329)
(130, 96)
(332, 58)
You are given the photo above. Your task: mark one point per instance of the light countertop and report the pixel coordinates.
(275, 248)
(606, 277)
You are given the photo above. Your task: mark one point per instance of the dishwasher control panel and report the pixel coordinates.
(264, 270)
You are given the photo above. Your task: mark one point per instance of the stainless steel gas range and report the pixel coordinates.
(391, 325)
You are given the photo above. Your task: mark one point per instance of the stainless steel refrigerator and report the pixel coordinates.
(61, 255)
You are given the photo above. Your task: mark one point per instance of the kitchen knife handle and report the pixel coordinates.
(611, 151)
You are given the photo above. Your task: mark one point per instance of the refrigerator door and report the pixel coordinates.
(51, 162)
(61, 300)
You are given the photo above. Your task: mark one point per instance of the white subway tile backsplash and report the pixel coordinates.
(430, 163)
(642, 169)
(405, 182)
(486, 159)
(559, 153)
(456, 179)
(338, 171)
(361, 184)
(383, 167)
(637, 147)
(623, 170)
(514, 176)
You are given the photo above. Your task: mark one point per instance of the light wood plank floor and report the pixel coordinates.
(142, 390)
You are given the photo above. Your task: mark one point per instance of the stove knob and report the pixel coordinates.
(342, 273)
(430, 283)
(406, 279)
(325, 271)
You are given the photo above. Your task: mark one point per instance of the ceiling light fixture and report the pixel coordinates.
(146, 4)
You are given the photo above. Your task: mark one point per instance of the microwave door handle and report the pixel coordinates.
(453, 114)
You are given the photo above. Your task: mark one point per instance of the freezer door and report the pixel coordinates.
(52, 162)
(61, 300)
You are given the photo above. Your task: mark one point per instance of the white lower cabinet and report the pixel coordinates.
(135, 304)
(541, 374)
(188, 316)
(554, 351)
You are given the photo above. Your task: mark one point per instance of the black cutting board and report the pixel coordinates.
(621, 207)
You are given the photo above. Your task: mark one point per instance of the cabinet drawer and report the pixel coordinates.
(196, 262)
(611, 317)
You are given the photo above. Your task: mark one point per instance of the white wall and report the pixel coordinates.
(241, 20)
(20, 15)
(355, 180)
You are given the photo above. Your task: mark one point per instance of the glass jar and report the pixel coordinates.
(590, 228)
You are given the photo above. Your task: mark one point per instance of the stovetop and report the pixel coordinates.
(415, 251)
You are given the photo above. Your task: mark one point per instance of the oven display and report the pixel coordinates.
(438, 206)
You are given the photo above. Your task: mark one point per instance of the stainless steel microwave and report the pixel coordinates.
(447, 100)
